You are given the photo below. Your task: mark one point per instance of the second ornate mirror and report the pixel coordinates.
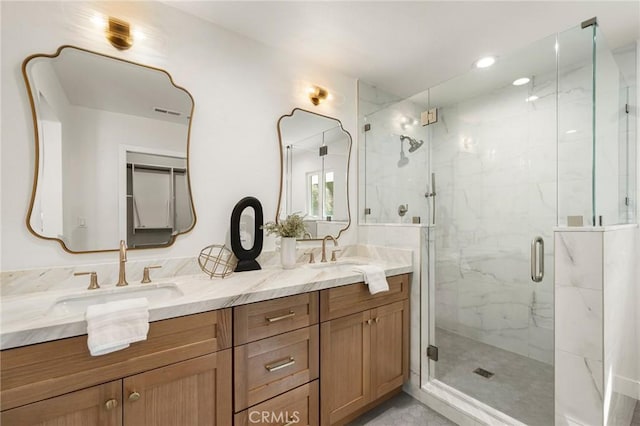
(315, 153)
(112, 143)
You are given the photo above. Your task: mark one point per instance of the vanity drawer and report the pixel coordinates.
(297, 407)
(269, 367)
(349, 299)
(265, 319)
(36, 372)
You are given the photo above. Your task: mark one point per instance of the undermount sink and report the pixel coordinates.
(346, 262)
(77, 304)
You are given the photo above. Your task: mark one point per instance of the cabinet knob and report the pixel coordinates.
(377, 320)
(111, 404)
(134, 396)
(368, 322)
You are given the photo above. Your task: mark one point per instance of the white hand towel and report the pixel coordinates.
(374, 277)
(113, 326)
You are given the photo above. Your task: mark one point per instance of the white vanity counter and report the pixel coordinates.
(39, 316)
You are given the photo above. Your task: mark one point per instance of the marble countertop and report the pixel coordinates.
(31, 318)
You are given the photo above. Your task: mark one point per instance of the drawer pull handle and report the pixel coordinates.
(134, 396)
(279, 365)
(111, 404)
(291, 422)
(291, 314)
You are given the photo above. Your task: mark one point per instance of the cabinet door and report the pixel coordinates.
(98, 405)
(189, 393)
(344, 373)
(389, 347)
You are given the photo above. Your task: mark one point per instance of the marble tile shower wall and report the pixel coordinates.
(393, 176)
(596, 372)
(495, 162)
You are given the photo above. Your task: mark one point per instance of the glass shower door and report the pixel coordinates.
(493, 151)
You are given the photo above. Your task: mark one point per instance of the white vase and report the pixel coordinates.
(288, 252)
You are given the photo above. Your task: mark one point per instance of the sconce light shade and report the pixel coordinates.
(119, 34)
(317, 95)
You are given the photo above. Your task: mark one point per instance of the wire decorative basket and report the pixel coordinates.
(217, 261)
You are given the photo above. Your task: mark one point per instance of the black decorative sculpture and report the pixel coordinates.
(247, 258)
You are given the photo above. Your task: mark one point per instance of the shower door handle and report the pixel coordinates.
(537, 259)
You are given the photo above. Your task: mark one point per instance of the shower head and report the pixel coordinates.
(413, 143)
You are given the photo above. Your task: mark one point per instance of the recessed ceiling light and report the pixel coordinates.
(485, 62)
(571, 131)
(532, 98)
(521, 81)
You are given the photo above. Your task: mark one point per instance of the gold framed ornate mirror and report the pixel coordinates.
(315, 152)
(111, 152)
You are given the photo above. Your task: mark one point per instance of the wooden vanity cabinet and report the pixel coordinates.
(364, 356)
(192, 392)
(276, 362)
(180, 375)
(314, 358)
(94, 406)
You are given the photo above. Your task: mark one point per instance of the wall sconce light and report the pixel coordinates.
(118, 33)
(317, 95)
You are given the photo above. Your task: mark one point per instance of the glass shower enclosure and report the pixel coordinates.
(540, 139)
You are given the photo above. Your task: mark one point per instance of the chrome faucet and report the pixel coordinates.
(324, 248)
(122, 279)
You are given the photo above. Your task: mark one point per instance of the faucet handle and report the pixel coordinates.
(93, 279)
(145, 273)
(312, 258)
(333, 254)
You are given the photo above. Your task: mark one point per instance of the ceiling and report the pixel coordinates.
(99, 82)
(406, 47)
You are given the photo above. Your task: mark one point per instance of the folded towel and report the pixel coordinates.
(374, 277)
(113, 326)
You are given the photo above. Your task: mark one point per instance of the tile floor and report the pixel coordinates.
(521, 387)
(401, 410)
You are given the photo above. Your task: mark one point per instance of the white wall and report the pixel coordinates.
(240, 88)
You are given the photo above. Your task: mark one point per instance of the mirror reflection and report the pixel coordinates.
(112, 152)
(315, 157)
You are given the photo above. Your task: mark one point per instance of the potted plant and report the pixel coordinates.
(289, 230)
